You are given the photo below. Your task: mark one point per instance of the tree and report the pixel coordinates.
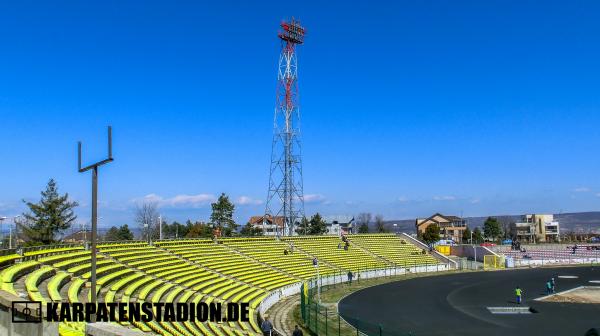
(146, 218)
(380, 224)
(466, 236)
(303, 226)
(506, 224)
(117, 234)
(200, 230)
(176, 229)
(222, 215)
(317, 225)
(363, 228)
(491, 228)
(362, 220)
(125, 233)
(431, 234)
(251, 230)
(477, 236)
(53, 214)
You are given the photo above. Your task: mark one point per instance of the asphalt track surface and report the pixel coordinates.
(457, 304)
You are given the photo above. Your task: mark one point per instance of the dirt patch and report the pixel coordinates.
(579, 295)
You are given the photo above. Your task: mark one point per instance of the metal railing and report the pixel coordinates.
(325, 320)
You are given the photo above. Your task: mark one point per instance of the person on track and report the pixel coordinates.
(553, 285)
(518, 294)
(548, 287)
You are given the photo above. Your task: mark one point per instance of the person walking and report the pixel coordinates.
(266, 327)
(350, 277)
(518, 294)
(297, 331)
(548, 287)
(553, 285)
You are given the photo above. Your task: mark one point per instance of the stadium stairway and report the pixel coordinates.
(235, 250)
(393, 249)
(385, 260)
(329, 249)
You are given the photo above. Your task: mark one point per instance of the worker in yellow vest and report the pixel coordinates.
(518, 293)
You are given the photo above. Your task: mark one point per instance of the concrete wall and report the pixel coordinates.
(470, 251)
(8, 328)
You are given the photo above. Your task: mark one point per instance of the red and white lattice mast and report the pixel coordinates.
(285, 197)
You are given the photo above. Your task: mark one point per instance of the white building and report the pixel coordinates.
(537, 228)
(338, 225)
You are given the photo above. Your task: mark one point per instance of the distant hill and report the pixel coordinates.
(576, 221)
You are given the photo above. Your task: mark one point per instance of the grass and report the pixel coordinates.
(332, 294)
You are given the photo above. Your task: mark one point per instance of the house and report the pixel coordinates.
(271, 226)
(451, 227)
(537, 228)
(80, 236)
(338, 225)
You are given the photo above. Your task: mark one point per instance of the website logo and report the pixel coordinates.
(26, 311)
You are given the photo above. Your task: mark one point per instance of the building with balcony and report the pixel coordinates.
(271, 225)
(451, 227)
(537, 228)
(339, 225)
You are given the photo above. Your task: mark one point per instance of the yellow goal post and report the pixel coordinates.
(493, 262)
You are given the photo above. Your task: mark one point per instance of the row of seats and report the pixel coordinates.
(232, 270)
(394, 249)
(272, 252)
(331, 250)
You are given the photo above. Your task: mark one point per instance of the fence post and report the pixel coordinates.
(339, 325)
(317, 319)
(326, 318)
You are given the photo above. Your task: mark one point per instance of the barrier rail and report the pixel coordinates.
(325, 320)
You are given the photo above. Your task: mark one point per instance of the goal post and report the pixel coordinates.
(493, 262)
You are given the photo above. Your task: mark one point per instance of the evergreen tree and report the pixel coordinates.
(362, 220)
(466, 236)
(491, 228)
(125, 233)
(222, 215)
(112, 234)
(363, 228)
(431, 234)
(317, 225)
(477, 236)
(118, 234)
(53, 214)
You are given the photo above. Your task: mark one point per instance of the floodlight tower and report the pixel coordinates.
(285, 197)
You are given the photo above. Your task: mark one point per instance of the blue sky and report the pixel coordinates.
(408, 108)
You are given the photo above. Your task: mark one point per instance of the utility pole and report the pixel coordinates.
(94, 168)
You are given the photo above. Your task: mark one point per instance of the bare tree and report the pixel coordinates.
(379, 224)
(506, 226)
(146, 217)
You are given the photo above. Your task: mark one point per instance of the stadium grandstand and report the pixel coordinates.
(238, 270)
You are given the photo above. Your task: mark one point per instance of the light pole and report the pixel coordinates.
(94, 168)
(10, 231)
(1, 232)
(159, 227)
